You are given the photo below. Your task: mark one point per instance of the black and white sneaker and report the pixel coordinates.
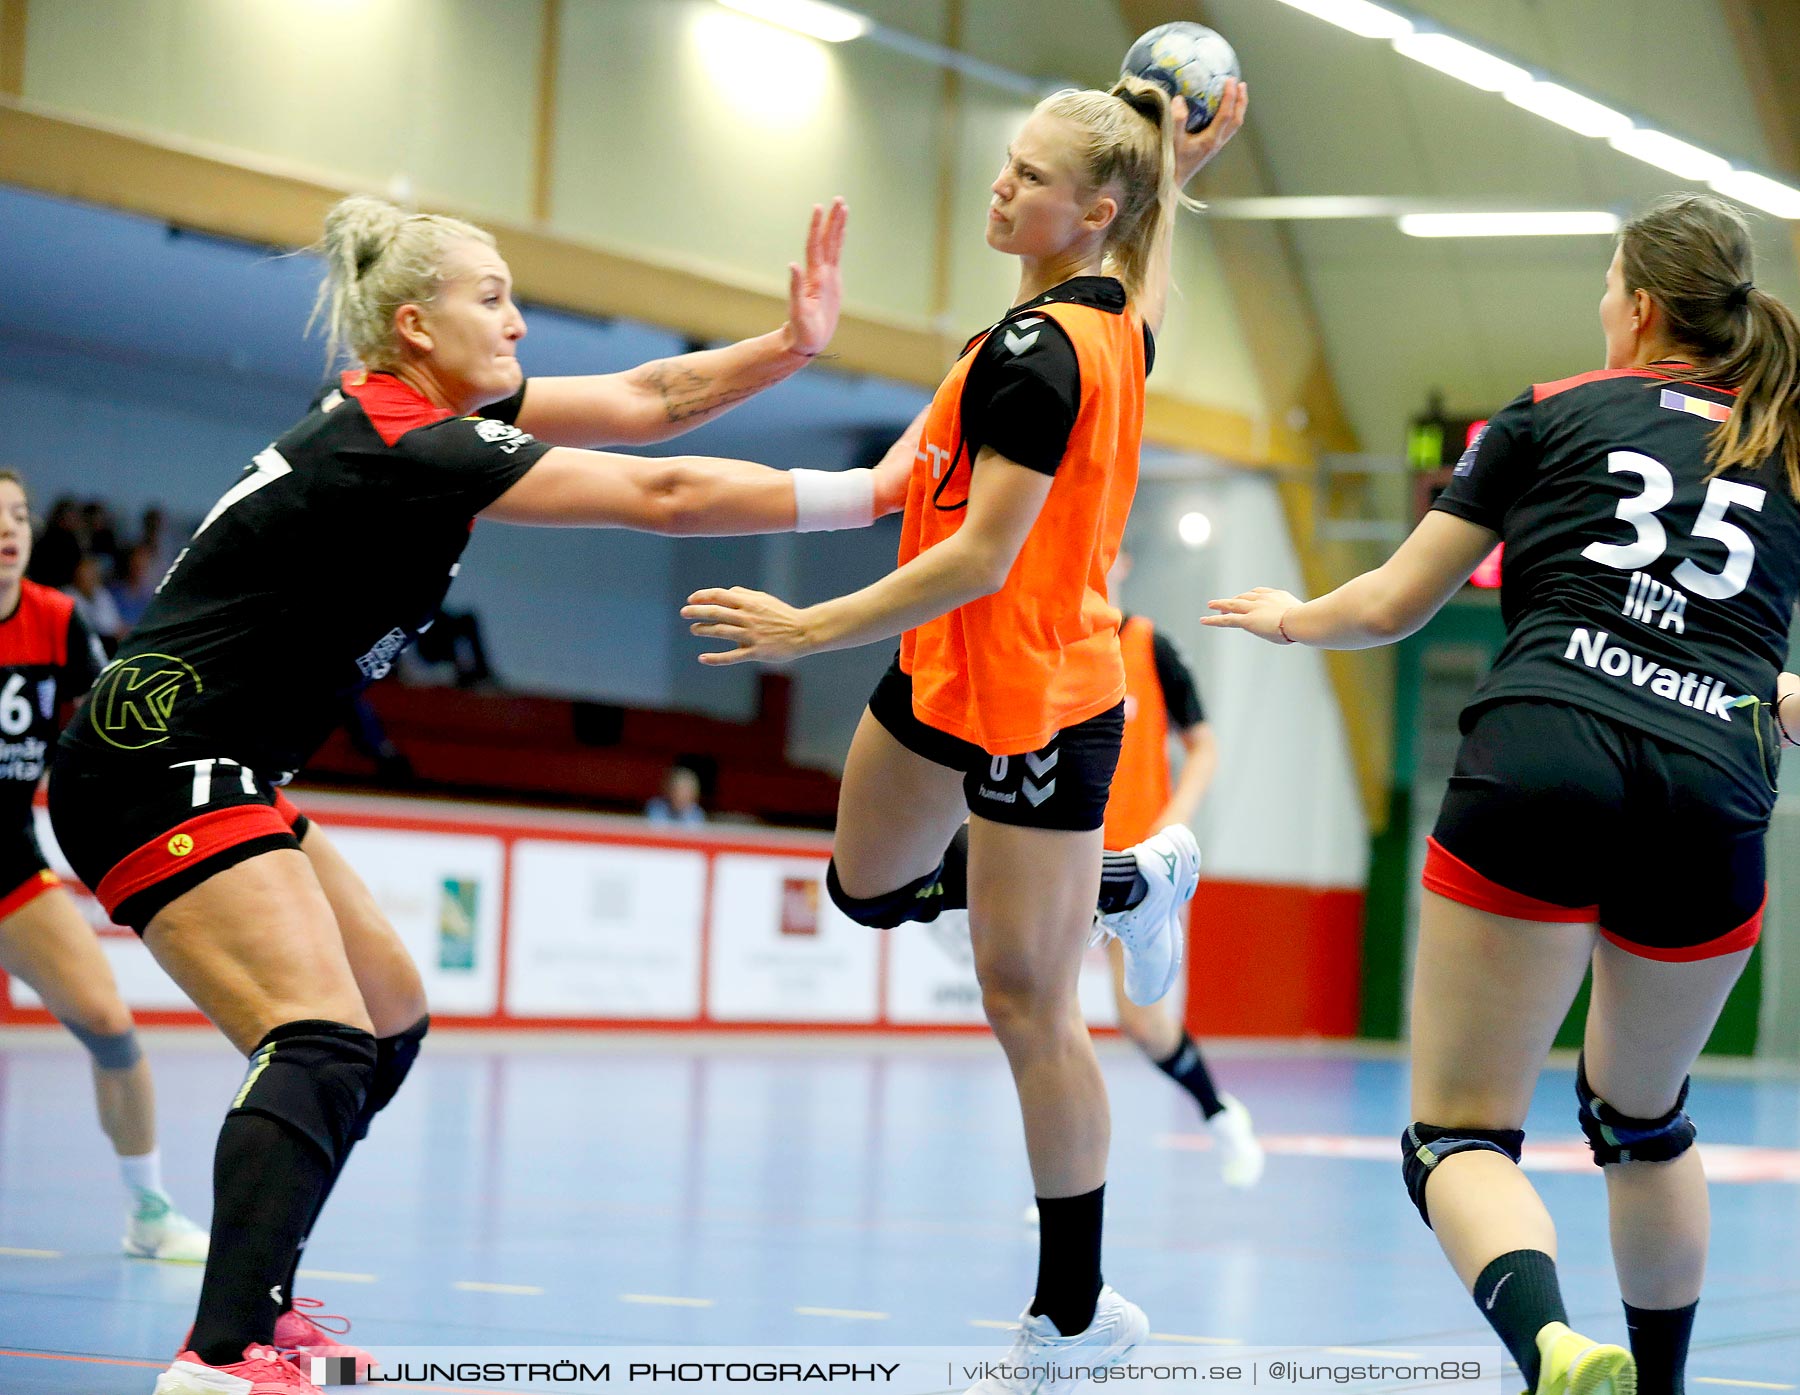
(1150, 931)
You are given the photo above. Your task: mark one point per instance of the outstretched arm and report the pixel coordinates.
(1375, 608)
(1193, 149)
(1004, 501)
(683, 495)
(663, 398)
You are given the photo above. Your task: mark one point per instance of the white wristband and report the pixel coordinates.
(826, 500)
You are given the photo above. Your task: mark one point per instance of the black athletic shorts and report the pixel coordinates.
(1064, 786)
(24, 875)
(1556, 813)
(140, 833)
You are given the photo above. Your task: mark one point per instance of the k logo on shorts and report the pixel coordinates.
(135, 698)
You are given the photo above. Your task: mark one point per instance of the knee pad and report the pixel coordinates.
(1424, 1146)
(921, 900)
(110, 1052)
(312, 1077)
(1616, 1138)
(394, 1057)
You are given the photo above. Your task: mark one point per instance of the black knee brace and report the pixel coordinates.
(1616, 1138)
(312, 1077)
(921, 900)
(120, 1052)
(1424, 1146)
(394, 1057)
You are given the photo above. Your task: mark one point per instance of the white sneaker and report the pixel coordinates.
(156, 1230)
(1150, 931)
(1041, 1355)
(1240, 1155)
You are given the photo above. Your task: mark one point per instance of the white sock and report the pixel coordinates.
(143, 1173)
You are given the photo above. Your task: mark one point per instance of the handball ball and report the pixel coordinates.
(1185, 60)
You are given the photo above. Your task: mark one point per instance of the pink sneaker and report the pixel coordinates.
(297, 1335)
(263, 1371)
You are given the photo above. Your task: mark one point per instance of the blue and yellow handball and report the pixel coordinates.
(1186, 60)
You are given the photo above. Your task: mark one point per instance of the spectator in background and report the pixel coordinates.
(679, 802)
(153, 533)
(59, 546)
(132, 590)
(100, 538)
(88, 590)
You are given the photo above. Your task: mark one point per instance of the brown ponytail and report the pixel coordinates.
(1692, 254)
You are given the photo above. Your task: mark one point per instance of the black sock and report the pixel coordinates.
(1122, 886)
(312, 1219)
(1518, 1294)
(268, 1181)
(953, 879)
(1659, 1341)
(1068, 1282)
(1187, 1068)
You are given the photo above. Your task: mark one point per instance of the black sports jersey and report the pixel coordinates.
(1024, 388)
(307, 579)
(1634, 585)
(48, 657)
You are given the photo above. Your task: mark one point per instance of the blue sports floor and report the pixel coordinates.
(531, 1191)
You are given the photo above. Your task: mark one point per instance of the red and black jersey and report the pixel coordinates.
(1637, 584)
(326, 558)
(48, 657)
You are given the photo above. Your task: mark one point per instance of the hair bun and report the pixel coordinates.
(1146, 99)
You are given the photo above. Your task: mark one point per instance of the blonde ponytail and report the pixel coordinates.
(379, 257)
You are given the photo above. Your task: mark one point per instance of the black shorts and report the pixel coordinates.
(1556, 813)
(140, 833)
(1063, 786)
(24, 875)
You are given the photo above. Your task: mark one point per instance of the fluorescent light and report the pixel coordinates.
(1508, 224)
(1358, 16)
(814, 17)
(1465, 62)
(1770, 195)
(1667, 153)
(1554, 102)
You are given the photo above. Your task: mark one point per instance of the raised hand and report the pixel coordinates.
(1194, 148)
(1258, 611)
(816, 290)
(759, 626)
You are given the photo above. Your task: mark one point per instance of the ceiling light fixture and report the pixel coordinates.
(1666, 153)
(1358, 16)
(1464, 62)
(1770, 195)
(1582, 115)
(1581, 224)
(814, 17)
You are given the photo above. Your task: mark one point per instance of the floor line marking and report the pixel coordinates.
(336, 1274)
(1196, 1341)
(994, 1326)
(1747, 1384)
(665, 1300)
(1375, 1351)
(862, 1313)
(15, 1253)
(476, 1286)
(85, 1360)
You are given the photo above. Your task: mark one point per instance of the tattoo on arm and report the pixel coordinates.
(687, 393)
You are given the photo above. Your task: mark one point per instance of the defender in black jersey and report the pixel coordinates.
(1615, 780)
(48, 659)
(309, 576)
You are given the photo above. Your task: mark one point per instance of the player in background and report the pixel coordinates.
(1615, 780)
(1162, 700)
(48, 659)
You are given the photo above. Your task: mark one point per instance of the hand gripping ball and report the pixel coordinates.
(1186, 60)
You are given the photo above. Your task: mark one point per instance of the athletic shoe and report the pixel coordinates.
(299, 1337)
(1240, 1155)
(263, 1371)
(156, 1230)
(1118, 1326)
(1571, 1364)
(1150, 931)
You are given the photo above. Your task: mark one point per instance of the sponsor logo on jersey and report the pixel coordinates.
(180, 845)
(498, 433)
(136, 697)
(1695, 406)
(1594, 649)
(1466, 461)
(1655, 602)
(379, 660)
